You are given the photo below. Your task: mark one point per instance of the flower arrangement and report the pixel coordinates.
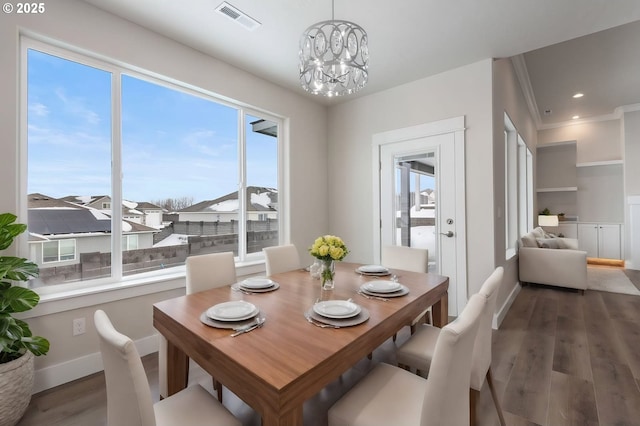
(328, 249)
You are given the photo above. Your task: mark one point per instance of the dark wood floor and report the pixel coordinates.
(559, 358)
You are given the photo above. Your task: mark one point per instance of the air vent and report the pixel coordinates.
(237, 16)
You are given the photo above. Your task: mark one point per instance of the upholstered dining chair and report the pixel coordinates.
(410, 259)
(129, 399)
(281, 258)
(419, 350)
(389, 395)
(204, 272)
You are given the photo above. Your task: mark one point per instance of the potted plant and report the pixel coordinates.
(18, 345)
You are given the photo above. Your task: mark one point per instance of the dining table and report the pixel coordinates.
(290, 358)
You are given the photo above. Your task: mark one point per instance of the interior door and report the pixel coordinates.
(421, 202)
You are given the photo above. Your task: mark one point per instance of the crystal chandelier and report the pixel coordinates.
(334, 58)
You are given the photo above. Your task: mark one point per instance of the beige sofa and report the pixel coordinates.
(544, 259)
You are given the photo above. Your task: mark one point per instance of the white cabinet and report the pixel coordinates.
(600, 240)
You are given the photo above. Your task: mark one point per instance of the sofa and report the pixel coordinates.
(546, 259)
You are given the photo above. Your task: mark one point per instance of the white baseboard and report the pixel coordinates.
(502, 312)
(65, 372)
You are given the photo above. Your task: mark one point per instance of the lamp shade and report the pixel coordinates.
(548, 220)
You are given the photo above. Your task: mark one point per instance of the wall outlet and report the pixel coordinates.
(79, 326)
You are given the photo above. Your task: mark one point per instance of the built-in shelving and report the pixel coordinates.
(561, 189)
(600, 163)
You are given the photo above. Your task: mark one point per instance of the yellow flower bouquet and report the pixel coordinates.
(328, 249)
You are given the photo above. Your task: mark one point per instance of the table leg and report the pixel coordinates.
(440, 311)
(177, 369)
(291, 418)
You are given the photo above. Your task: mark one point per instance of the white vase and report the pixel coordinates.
(16, 385)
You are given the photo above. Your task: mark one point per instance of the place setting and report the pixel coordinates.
(382, 290)
(336, 314)
(255, 285)
(373, 270)
(237, 315)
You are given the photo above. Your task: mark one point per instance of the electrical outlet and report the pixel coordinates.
(79, 326)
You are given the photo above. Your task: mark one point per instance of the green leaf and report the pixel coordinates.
(18, 299)
(17, 268)
(36, 344)
(9, 230)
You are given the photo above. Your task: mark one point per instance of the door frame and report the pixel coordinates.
(452, 125)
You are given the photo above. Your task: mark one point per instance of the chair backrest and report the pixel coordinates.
(446, 400)
(128, 395)
(407, 258)
(281, 259)
(209, 271)
(482, 347)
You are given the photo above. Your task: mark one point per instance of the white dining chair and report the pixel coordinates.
(389, 395)
(281, 259)
(129, 399)
(410, 259)
(204, 272)
(419, 350)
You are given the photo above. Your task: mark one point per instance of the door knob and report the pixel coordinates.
(447, 234)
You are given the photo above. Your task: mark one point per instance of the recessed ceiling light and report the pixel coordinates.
(575, 117)
(578, 95)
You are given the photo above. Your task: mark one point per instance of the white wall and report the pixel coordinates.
(81, 25)
(595, 141)
(507, 97)
(465, 91)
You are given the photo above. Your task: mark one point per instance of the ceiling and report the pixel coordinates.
(412, 39)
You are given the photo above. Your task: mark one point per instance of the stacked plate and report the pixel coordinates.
(235, 310)
(258, 284)
(375, 270)
(337, 309)
(382, 288)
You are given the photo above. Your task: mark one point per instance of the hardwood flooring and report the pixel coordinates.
(559, 358)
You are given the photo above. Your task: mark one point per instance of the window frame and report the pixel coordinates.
(518, 187)
(117, 69)
(58, 255)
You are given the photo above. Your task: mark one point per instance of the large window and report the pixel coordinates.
(139, 171)
(518, 210)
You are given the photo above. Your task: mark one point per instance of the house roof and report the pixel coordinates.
(260, 199)
(51, 216)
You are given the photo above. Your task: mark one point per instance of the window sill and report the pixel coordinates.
(510, 254)
(62, 301)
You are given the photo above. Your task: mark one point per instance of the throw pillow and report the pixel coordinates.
(538, 232)
(528, 240)
(568, 243)
(551, 243)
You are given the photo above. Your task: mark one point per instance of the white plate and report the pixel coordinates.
(382, 286)
(337, 309)
(373, 269)
(257, 282)
(236, 310)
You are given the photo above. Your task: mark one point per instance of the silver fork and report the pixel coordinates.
(319, 324)
(373, 297)
(259, 322)
(241, 290)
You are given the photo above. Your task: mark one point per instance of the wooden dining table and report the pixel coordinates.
(278, 366)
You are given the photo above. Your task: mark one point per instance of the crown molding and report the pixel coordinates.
(520, 68)
(615, 115)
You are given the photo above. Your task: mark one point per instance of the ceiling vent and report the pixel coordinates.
(237, 16)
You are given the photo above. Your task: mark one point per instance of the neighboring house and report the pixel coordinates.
(262, 205)
(144, 213)
(59, 231)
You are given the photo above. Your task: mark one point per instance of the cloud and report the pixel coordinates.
(76, 107)
(38, 109)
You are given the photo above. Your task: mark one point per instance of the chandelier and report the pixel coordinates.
(334, 58)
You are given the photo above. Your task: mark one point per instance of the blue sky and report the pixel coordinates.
(174, 144)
